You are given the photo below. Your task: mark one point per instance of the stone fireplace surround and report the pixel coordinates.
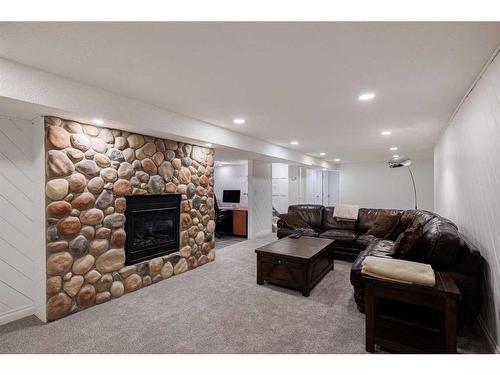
(89, 172)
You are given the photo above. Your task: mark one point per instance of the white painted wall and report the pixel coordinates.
(22, 244)
(280, 187)
(231, 177)
(376, 185)
(259, 198)
(467, 184)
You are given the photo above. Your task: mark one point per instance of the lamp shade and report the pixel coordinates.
(402, 162)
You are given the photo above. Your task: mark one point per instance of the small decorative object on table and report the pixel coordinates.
(405, 317)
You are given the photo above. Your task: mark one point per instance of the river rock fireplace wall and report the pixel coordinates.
(95, 179)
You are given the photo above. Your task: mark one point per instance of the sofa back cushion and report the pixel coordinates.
(384, 224)
(367, 216)
(405, 220)
(441, 245)
(329, 222)
(406, 246)
(312, 214)
(294, 220)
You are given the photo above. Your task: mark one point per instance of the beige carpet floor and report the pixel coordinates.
(217, 308)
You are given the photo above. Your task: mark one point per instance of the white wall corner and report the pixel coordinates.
(259, 198)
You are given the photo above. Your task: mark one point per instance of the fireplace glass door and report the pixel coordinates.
(152, 227)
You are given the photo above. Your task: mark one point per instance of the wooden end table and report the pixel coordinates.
(295, 263)
(411, 318)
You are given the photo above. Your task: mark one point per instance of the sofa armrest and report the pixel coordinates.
(282, 224)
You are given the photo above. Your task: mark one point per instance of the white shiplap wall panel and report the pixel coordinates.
(13, 215)
(16, 280)
(17, 238)
(11, 172)
(467, 183)
(18, 187)
(15, 195)
(259, 198)
(13, 298)
(4, 308)
(22, 157)
(15, 258)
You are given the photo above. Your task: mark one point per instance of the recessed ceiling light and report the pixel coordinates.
(294, 143)
(386, 132)
(239, 121)
(208, 144)
(97, 121)
(393, 149)
(396, 156)
(336, 160)
(322, 153)
(366, 96)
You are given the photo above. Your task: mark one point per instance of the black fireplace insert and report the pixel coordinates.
(152, 226)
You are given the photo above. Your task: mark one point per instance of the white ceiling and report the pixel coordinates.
(290, 81)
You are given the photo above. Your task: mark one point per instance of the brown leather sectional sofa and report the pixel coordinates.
(441, 246)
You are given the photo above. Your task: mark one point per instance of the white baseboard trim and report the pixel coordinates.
(15, 314)
(493, 345)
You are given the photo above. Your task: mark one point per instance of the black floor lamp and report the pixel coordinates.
(405, 162)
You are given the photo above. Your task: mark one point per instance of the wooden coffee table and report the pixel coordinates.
(295, 263)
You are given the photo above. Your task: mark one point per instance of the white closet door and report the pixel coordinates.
(318, 187)
(325, 188)
(309, 184)
(333, 188)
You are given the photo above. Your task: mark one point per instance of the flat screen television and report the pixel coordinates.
(231, 196)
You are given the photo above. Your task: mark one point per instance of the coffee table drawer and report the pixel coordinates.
(282, 272)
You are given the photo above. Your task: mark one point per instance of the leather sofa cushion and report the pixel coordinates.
(384, 224)
(471, 262)
(380, 248)
(423, 217)
(329, 222)
(441, 245)
(404, 222)
(356, 277)
(406, 246)
(364, 240)
(312, 214)
(293, 220)
(367, 216)
(284, 232)
(441, 218)
(307, 232)
(342, 237)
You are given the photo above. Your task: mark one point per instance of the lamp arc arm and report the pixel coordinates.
(414, 188)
